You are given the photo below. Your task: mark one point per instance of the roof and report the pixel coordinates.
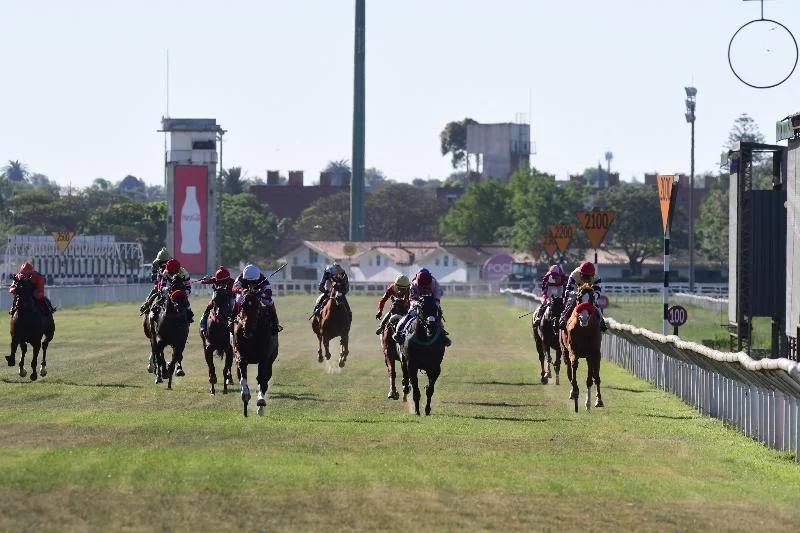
(617, 256)
(287, 201)
(478, 255)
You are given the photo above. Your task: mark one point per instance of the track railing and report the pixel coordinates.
(760, 397)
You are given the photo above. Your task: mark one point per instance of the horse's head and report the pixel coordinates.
(22, 288)
(177, 300)
(585, 293)
(252, 311)
(335, 294)
(585, 312)
(428, 313)
(221, 301)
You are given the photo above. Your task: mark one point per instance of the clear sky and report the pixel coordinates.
(85, 82)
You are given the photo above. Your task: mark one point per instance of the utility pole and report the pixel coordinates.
(357, 178)
(691, 93)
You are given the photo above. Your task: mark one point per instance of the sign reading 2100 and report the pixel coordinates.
(597, 220)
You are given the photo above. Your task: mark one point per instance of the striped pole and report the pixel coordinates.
(666, 281)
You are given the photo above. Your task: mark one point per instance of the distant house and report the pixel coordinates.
(288, 201)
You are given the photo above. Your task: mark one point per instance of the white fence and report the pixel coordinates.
(706, 302)
(762, 398)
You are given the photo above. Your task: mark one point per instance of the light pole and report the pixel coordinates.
(691, 93)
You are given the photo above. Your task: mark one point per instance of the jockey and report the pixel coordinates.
(174, 277)
(251, 275)
(553, 284)
(399, 290)
(155, 276)
(424, 283)
(585, 273)
(221, 281)
(334, 273)
(26, 271)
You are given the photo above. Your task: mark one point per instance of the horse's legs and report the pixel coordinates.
(23, 349)
(433, 375)
(326, 341)
(390, 369)
(263, 377)
(344, 351)
(412, 371)
(212, 371)
(35, 358)
(596, 376)
(540, 350)
(319, 348)
(12, 357)
(48, 336)
(573, 378)
(589, 372)
(227, 371)
(243, 383)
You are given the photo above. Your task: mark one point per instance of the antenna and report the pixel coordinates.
(167, 89)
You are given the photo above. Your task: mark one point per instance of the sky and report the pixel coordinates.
(86, 81)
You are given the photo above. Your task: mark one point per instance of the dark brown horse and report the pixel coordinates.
(166, 324)
(254, 344)
(218, 339)
(546, 337)
(28, 325)
(424, 348)
(334, 321)
(581, 340)
(391, 354)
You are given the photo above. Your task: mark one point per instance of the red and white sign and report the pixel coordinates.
(497, 267)
(191, 217)
(602, 301)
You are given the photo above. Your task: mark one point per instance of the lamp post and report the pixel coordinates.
(691, 93)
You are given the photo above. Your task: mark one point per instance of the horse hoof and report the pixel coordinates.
(43, 371)
(558, 382)
(159, 380)
(393, 395)
(150, 368)
(327, 356)
(260, 410)
(22, 372)
(34, 377)
(573, 395)
(427, 411)
(228, 381)
(544, 380)
(180, 373)
(599, 403)
(341, 363)
(320, 358)
(10, 359)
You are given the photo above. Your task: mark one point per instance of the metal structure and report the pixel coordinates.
(691, 94)
(359, 114)
(86, 260)
(757, 247)
(788, 129)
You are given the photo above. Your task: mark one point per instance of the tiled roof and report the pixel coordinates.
(286, 201)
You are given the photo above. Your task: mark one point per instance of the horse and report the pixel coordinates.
(218, 339)
(390, 350)
(582, 339)
(546, 337)
(334, 321)
(254, 343)
(166, 324)
(27, 326)
(423, 349)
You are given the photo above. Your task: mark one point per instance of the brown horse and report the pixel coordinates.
(582, 339)
(254, 344)
(546, 337)
(391, 353)
(27, 326)
(334, 321)
(166, 324)
(218, 339)
(424, 348)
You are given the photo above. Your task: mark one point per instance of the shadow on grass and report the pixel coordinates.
(670, 417)
(301, 397)
(503, 418)
(510, 383)
(492, 404)
(638, 391)
(74, 384)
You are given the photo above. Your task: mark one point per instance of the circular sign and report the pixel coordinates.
(677, 315)
(602, 301)
(349, 249)
(497, 267)
(769, 41)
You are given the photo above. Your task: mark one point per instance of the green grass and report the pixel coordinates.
(702, 324)
(96, 445)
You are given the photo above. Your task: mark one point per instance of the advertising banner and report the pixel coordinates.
(191, 218)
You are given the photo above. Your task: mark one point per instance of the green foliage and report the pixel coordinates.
(132, 221)
(374, 179)
(403, 212)
(637, 228)
(453, 141)
(326, 219)
(15, 171)
(711, 227)
(230, 181)
(476, 216)
(250, 231)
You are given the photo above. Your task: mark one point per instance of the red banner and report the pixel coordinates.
(191, 218)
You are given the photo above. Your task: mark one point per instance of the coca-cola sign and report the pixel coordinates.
(191, 216)
(497, 267)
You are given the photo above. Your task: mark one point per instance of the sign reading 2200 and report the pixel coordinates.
(564, 231)
(597, 220)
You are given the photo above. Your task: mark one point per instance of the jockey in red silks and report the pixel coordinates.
(175, 278)
(26, 271)
(553, 285)
(585, 273)
(424, 283)
(399, 290)
(250, 276)
(222, 281)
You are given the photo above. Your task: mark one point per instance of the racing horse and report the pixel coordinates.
(546, 337)
(333, 321)
(166, 324)
(581, 340)
(390, 350)
(254, 343)
(27, 326)
(423, 348)
(217, 339)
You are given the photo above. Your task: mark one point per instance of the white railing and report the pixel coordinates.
(760, 397)
(707, 289)
(706, 302)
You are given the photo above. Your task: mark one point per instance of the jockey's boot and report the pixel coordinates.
(50, 305)
(276, 327)
(447, 341)
(383, 323)
(537, 316)
(44, 309)
(148, 302)
(231, 322)
(204, 321)
(399, 337)
(189, 315)
(603, 325)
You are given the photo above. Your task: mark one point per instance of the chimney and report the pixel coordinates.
(651, 179)
(346, 179)
(325, 179)
(273, 177)
(295, 178)
(613, 179)
(576, 177)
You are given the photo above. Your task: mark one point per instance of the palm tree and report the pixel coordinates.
(341, 166)
(16, 171)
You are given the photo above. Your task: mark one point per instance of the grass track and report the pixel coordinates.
(96, 445)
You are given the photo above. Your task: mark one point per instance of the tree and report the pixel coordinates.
(40, 181)
(712, 224)
(15, 171)
(231, 182)
(744, 129)
(326, 219)
(430, 183)
(403, 212)
(453, 141)
(130, 221)
(375, 179)
(340, 166)
(637, 227)
(133, 188)
(477, 215)
(102, 184)
(250, 231)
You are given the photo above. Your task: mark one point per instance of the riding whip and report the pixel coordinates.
(526, 314)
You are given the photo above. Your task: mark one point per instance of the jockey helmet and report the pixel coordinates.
(424, 279)
(26, 268)
(334, 269)
(251, 272)
(222, 274)
(423, 270)
(163, 255)
(172, 266)
(587, 269)
(402, 282)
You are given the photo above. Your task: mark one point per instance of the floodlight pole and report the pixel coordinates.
(691, 93)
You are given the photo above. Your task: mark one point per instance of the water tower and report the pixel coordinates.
(190, 173)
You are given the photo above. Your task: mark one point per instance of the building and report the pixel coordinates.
(289, 200)
(500, 149)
